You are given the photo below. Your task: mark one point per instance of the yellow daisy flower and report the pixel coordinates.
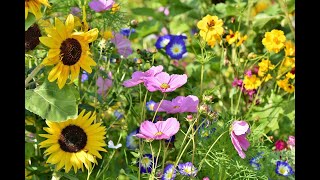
(210, 26)
(232, 37)
(274, 40)
(74, 142)
(252, 82)
(289, 48)
(242, 38)
(264, 66)
(290, 75)
(68, 50)
(289, 88)
(34, 7)
(282, 83)
(115, 8)
(268, 77)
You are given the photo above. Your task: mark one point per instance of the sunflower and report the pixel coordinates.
(68, 50)
(74, 142)
(34, 6)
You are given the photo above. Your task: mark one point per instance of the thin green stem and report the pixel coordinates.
(32, 74)
(154, 116)
(201, 78)
(285, 10)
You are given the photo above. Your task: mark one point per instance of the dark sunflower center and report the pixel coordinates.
(70, 51)
(72, 139)
(31, 37)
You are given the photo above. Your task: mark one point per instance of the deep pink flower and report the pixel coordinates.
(180, 104)
(101, 5)
(280, 145)
(139, 76)
(165, 82)
(291, 142)
(122, 44)
(238, 137)
(159, 130)
(237, 82)
(103, 84)
(206, 178)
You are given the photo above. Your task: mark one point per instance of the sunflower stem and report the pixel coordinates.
(32, 74)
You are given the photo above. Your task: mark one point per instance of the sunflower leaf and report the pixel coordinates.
(51, 103)
(29, 21)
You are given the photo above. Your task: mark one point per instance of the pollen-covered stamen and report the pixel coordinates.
(70, 51)
(31, 37)
(165, 86)
(158, 133)
(175, 107)
(72, 139)
(211, 23)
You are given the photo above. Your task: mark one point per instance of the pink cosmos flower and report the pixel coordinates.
(159, 130)
(280, 145)
(180, 104)
(238, 137)
(104, 84)
(291, 142)
(122, 44)
(206, 178)
(101, 5)
(139, 76)
(165, 82)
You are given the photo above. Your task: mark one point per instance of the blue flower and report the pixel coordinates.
(187, 169)
(254, 162)
(150, 104)
(283, 168)
(118, 114)
(171, 139)
(146, 163)
(84, 76)
(132, 141)
(169, 172)
(127, 31)
(176, 47)
(163, 41)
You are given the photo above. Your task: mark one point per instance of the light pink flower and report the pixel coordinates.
(159, 130)
(238, 137)
(103, 84)
(165, 82)
(122, 44)
(180, 104)
(291, 142)
(139, 76)
(165, 10)
(101, 5)
(206, 178)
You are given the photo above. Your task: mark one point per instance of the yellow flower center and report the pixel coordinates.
(158, 133)
(211, 24)
(165, 86)
(145, 161)
(175, 107)
(176, 49)
(282, 170)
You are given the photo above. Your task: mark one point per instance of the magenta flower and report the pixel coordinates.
(291, 142)
(238, 137)
(122, 44)
(280, 145)
(101, 5)
(180, 104)
(104, 85)
(139, 76)
(159, 130)
(165, 82)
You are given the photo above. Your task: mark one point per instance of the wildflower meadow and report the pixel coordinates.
(159, 90)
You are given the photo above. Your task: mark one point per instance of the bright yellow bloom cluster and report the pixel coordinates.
(274, 40)
(232, 37)
(260, 6)
(115, 8)
(211, 29)
(251, 82)
(288, 62)
(264, 66)
(285, 85)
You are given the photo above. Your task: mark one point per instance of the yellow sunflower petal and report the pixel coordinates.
(52, 31)
(68, 164)
(26, 11)
(50, 61)
(55, 72)
(61, 29)
(92, 35)
(84, 65)
(49, 42)
(53, 53)
(75, 69)
(62, 79)
(69, 24)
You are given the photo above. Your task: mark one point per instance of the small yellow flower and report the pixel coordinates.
(289, 62)
(274, 40)
(260, 6)
(289, 88)
(290, 75)
(252, 82)
(115, 8)
(268, 77)
(264, 66)
(289, 48)
(212, 41)
(107, 35)
(283, 83)
(242, 38)
(232, 37)
(210, 26)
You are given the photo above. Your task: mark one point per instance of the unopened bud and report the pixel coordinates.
(134, 23)
(252, 55)
(207, 99)
(189, 117)
(204, 108)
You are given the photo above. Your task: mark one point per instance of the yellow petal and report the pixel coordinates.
(75, 69)
(55, 72)
(62, 79)
(49, 42)
(26, 11)
(52, 31)
(50, 61)
(84, 65)
(70, 24)
(60, 28)
(68, 164)
(92, 35)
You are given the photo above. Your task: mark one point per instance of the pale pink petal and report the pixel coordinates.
(99, 82)
(240, 127)
(244, 143)
(163, 136)
(164, 107)
(190, 104)
(148, 128)
(137, 75)
(155, 70)
(169, 127)
(163, 77)
(177, 81)
(237, 146)
(152, 84)
(142, 136)
(131, 82)
(177, 101)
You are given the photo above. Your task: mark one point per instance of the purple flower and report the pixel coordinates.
(159, 130)
(75, 11)
(101, 5)
(169, 172)
(104, 85)
(180, 104)
(127, 31)
(146, 163)
(176, 48)
(122, 44)
(150, 105)
(84, 76)
(238, 137)
(187, 169)
(139, 76)
(237, 82)
(165, 82)
(283, 168)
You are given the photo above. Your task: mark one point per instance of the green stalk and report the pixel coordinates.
(154, 116)
(32, 74)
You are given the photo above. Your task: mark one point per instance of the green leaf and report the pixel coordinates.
(146, 12)
(261, 20)
(148, 27)
(31, 19)
(177, 8)
(28, 150)
(52, 103)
